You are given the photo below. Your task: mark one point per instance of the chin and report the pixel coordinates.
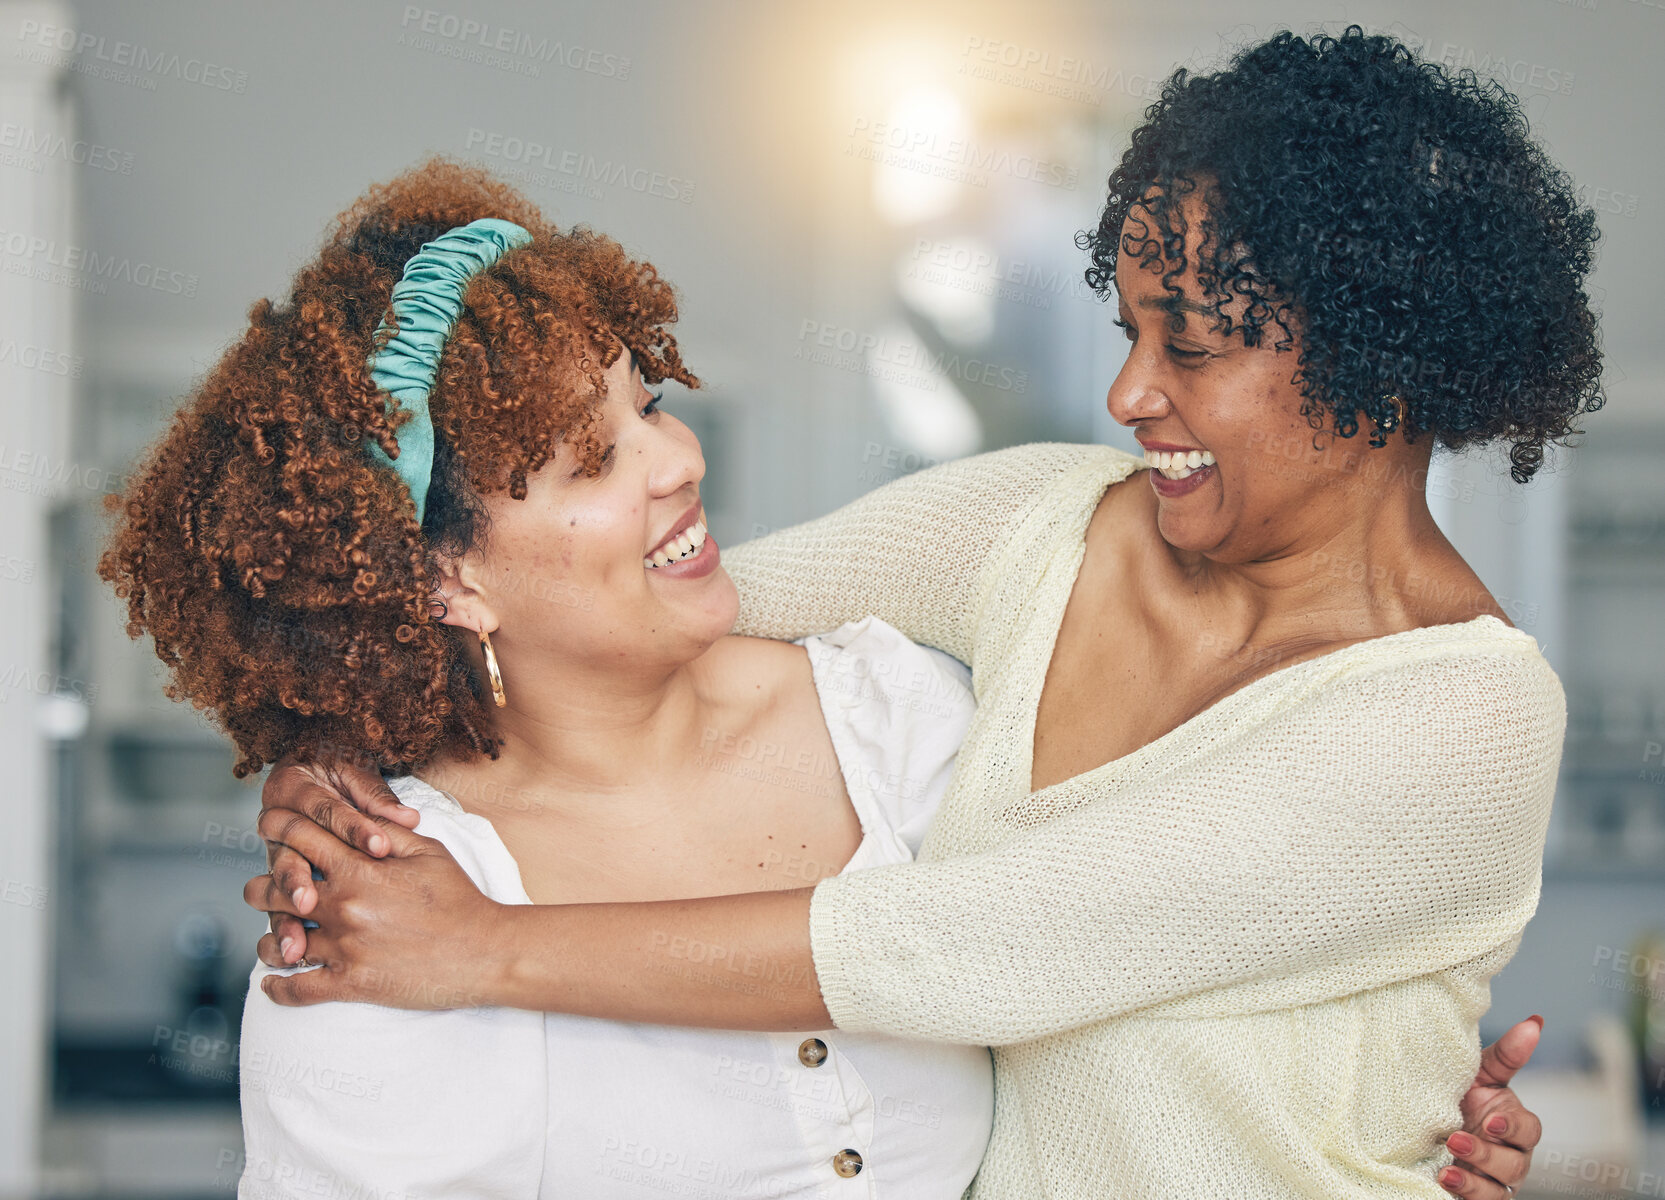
(722, 606)
(1182, 532)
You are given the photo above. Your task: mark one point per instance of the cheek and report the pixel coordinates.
(596, 539)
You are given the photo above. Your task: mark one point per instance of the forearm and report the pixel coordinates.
(720, 962)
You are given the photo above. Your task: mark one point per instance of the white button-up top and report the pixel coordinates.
(357, 1100)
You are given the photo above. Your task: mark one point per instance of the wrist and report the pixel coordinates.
(509, 979)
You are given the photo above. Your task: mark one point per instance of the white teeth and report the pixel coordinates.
(684, 545)
(1179, 464)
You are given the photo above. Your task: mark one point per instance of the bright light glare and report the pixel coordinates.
(917, 156)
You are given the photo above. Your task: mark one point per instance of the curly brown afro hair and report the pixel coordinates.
(279, 569)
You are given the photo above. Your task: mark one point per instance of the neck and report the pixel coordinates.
(574, 735)
(1359, 560)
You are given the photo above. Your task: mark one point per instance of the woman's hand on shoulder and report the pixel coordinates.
(1494, 1147)
(397, 931)
(345, 797)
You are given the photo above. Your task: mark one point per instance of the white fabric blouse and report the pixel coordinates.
(356, 1100)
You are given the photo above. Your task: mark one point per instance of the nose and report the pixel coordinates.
(1136, 394)
(678, 464)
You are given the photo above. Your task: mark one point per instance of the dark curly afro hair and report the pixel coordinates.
(1394, 219)
(280, 571)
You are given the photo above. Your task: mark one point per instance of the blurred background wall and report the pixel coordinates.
(868, 209)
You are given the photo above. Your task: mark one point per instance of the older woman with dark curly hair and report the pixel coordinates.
(1253, 804)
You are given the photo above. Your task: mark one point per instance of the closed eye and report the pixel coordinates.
(1132, 336)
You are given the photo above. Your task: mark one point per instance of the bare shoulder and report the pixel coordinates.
(753, 672)
(1126, 515)
(1448, 592)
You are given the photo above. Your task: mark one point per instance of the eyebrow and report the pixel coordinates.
(1163, 303)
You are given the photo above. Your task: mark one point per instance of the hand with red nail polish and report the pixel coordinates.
(1494, 1148)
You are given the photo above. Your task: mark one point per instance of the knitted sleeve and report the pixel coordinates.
(1383, 826)
(907, 552)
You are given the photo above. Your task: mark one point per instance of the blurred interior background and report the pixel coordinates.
(869, 211)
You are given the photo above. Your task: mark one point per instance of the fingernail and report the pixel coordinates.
(1450, 1178)
(1496, 1124)
(1538, 1019)
(1460, 1143)
(287, 945)
(378, 844)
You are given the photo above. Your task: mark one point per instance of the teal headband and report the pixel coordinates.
(427, 301)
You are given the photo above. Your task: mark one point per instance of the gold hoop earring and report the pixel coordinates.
(491, 670)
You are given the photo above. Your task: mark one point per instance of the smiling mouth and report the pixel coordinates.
(680, 545)
(1179, 464)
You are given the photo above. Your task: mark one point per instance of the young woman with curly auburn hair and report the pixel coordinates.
(534, 640)
(1252, 805)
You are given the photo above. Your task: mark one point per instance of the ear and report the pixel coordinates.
(467, 598)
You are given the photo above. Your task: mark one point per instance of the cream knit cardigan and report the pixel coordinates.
(1247, 960)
